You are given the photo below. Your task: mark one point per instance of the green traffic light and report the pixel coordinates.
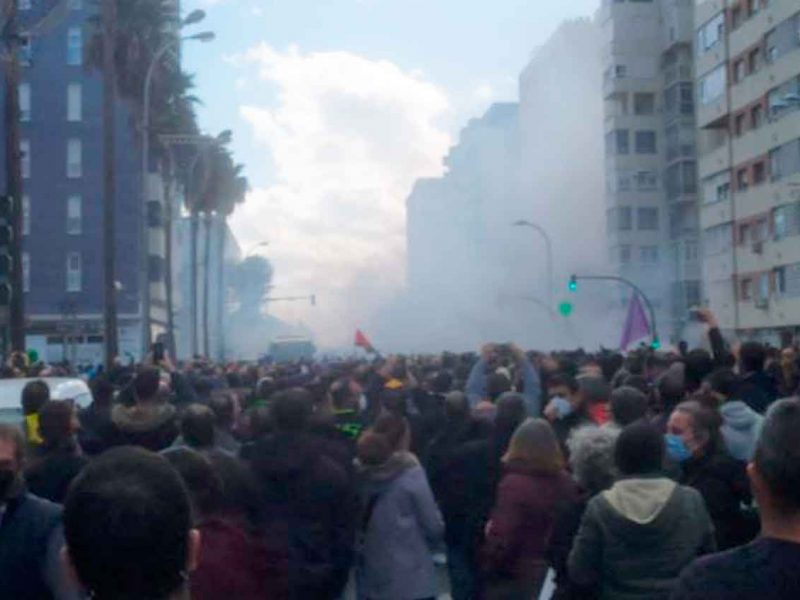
(656, 345)
(573, 284)
(565, 308)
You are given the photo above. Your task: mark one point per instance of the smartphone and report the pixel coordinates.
(158, 352)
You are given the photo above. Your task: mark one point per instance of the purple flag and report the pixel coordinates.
(636, 325)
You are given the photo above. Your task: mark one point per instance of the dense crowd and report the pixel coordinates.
(607, 475)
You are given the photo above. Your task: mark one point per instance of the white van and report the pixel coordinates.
(61, 388)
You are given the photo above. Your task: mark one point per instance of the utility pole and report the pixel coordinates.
(109, 17)
(14, 175)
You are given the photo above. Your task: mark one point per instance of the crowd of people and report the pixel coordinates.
(641, 476)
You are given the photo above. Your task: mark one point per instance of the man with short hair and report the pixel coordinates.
(197, 428)
(225, 407)
(768, 568)
(30, 531)
(567, 409)
(128, 528)
(757, 389)
(150, 423)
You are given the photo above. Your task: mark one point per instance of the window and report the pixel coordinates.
(763, 286)
(744, 233)
(620, 71)
(690, 251)
(24, 102)
(746, 289)
(625, 254)
(787, 281)
(646, 180)
(739, 71)
(74, 215)
(25, 49)
(25, 158)
(710, 34)
(644, 104)
(759, 173)
(74, 102)
(786, 221)
(617, 142)
(648, 218)
(623, 182)
(717, 240)
(752, 7)
(736, 16)
(73, 272)
(779, 275)
(785, 160)
(723, 192)
(26, 215)
(625, 216)
(74, 158)
(712, 85)
(648, 254)
(645, 142)
(26, 272)
(739, 124)
(756, 116)
(74, 46)
(754, 60)
(742, 180)
(24, 4)
(784, 99)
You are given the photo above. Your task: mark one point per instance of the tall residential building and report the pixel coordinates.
(651, 182)
(62, 165)
(748, 80)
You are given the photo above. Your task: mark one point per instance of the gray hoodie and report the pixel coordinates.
(740, 429)
(635, 538)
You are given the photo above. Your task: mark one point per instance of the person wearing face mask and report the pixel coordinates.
(566, 410)
(694, 441)
(31, 536)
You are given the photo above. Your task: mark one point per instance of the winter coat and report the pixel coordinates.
(50, 475)
(310, 505)
(635, 538)
(399, 533)
(740, 429)
(758, 390)
(522, 521)
(30, 543)
(236, 565)
(98, 432)
(723, 483)
(568, 521)
(152, 426)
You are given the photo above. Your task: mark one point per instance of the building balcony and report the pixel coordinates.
(715, 214)
(753, 87)
(714, 161)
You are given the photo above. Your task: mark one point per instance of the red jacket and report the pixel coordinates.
(236, 565)
(522, 520)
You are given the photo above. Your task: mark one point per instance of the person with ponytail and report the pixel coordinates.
(400, 525)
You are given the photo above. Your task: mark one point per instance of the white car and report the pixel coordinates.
(61, 388)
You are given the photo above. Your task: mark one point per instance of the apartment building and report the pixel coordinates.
(748, 114)
(650, 151)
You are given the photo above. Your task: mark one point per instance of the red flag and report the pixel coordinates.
(636, 324)
(363, 342)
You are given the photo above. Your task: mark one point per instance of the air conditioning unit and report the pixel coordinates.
(762, 303)
(758, 247)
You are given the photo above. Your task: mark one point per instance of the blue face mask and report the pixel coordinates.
(677, 449)
(562, 406)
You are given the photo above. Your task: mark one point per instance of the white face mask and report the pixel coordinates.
(562, 405)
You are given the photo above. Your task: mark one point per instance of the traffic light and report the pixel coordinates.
(6, 248)
(565, 308)
(573, 284)
(656, 345)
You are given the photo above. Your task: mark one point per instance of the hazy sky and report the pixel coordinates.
(337, 106)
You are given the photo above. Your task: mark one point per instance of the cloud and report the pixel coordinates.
(346, 138)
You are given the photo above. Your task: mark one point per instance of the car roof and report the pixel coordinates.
(60, 387)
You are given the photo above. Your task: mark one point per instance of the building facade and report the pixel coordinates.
(62, 165)
(650, 154)
(748, 80)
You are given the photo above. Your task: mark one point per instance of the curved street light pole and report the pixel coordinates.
(144, 272)
(254, 247)
(549, 249)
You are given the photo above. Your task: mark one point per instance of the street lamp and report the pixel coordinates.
(255, 247)
(549, 248)
(205, 36)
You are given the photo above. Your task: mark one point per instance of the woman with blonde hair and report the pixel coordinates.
(535, 483)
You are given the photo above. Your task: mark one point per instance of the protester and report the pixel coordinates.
(197, 428)
(490, 378)
(30, 531)
(741, 425)
(59, 459)
(233, 563)
(670, 391)
(128, 529)
(348, 404)
(307, 498)
(226, 408)
(97, 432)
(150, 422)
(567, 410)
(627, 405)
(766, 569)
(592, 464)
(34, 396)
(695, 441)
(758, 389)
(401, 524)
(518, 533)
(635, 538)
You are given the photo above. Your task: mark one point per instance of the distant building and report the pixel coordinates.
(748, 80)
(62, 162)
(651, 166)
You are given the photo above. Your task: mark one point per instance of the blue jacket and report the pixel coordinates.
(476, 386)
(740, 428)
(395, 561)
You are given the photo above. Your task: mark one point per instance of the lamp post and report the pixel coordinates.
(549, 249)
(144, 273)
(255, 247)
